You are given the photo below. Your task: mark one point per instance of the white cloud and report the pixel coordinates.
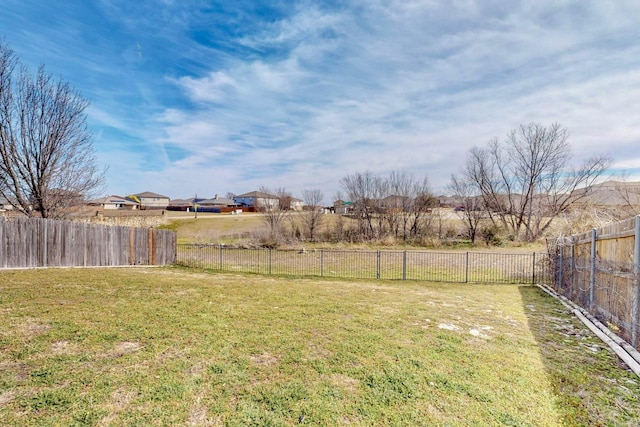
(304, 97)
(216, 87)
(385, 92)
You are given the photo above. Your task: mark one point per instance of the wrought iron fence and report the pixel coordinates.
(463, 267)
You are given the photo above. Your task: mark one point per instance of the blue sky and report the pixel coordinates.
(211, 97)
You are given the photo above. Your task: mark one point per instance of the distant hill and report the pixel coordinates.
(614, 194)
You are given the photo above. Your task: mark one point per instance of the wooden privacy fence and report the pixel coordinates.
(32, 243)
(599, 271)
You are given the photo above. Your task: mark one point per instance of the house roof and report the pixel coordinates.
(181, 202)
(112, 200)
(149, 194)
(257, 194)
(217, 201)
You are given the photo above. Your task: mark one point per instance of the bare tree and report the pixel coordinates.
(312, 217)
(363, 190)
(338, 221)
(526, 182)
(629, 195)
(421, 209)
(412, 204)
(470, 205)
(47, 162)
(273, 212)
(398, 205)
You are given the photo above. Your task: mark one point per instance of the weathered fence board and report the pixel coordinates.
(599, 271)
(32, 243)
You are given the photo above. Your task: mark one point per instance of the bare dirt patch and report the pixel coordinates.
(265, 359)
(63, 347)
(6, 397)
(33, 327)
(347, 383)
(120, 401)
(125, 347)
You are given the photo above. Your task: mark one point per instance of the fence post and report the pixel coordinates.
(466, 268)
(85, 244)
(151, 246)
(132, 246)
(45, 243)
(377, 264)
(560, 268)
(533, 275)
(636, 285)
(572, 263)
(404, 265)
(270, 252)
(592, 278)
(321, 262)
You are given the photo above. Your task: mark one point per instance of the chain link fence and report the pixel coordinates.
(461, 267)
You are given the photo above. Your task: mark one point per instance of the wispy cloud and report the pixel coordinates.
(217, 98)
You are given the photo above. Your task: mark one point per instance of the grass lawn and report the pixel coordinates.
(213, 228)
(172, 346)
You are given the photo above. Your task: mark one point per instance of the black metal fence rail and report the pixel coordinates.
(463, 267)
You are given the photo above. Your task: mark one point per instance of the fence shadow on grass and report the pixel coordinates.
(584, 373)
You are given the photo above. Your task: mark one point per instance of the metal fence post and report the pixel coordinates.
(636, 285)
(592, 279)
(533, 269)
(220, 249)
(560, 268)
(404, 265)
(466, 268)
(572, 263)
(270, 252)
(377, 264)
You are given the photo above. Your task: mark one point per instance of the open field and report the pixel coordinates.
(233, 229)
(213, 228)
(172, 346)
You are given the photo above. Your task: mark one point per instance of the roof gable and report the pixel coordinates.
(257, 194)
(149, 194)
(113, 200)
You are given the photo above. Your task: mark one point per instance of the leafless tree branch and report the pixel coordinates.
(47, 162)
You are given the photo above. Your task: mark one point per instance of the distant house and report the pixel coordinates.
(180, 205)
(341, 207)
(5, 205)
(218, 202)
(258, 200)
(395, 202)
(149, 200)
(114, 203)
(296, 204)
